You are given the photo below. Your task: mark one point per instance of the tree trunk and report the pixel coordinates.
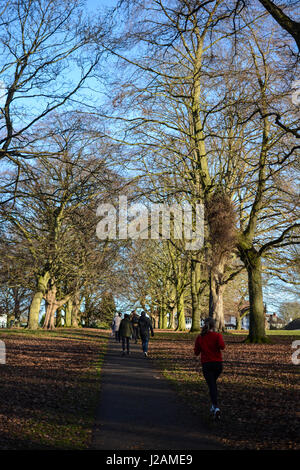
(50, 298)
(47, 314)
(75, 310)
(257, 332)
(68, 318)
(160, 320)
(33, 321)
(173, 312)
(196, 295)
(180, 312)
(216, 304)
(34, 311)
(17, 312)
(52, 305)
(52, 318)
(59, 318)
(164, 315)
(74, 318)
(10, 320)
(49, 323)
(216, 296)
(238, 322)
(172, 307)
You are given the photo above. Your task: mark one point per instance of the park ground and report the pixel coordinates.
(258, 389)
(49, 388)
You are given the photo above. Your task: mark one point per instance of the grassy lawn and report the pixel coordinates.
(268, 332)
(283, 332)
(258, 389)
(49, 388)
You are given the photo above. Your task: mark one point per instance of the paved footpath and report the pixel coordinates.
(139, 411)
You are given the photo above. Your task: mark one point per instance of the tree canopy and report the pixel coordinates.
(168, 104)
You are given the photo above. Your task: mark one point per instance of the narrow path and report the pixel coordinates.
(139, 411)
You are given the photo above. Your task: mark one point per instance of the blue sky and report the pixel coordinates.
(96, 4)
(272, 295)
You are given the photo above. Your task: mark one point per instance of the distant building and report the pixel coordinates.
(273, 322)
(231, 322)
(231, 319)
(188, 323)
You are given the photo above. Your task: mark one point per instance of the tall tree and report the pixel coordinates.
(284, 20)
(50, 201)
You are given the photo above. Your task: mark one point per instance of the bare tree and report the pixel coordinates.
(287, 23)
(176, 107)
(46, 57)
(51, 201)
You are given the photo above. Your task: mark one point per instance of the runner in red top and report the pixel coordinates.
(209, 345)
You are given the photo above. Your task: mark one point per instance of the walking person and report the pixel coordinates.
(209, 345)
(145, 327)
(135, 323)
(116, 326)
(125, 332)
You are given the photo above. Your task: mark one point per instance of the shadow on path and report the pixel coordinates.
(139, 411)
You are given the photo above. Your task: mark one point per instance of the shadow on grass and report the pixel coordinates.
(70, 334)
(48, 391)
(255, 415)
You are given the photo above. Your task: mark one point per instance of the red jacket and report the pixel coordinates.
(209, 346)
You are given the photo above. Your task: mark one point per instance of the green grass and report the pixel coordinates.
(268, 332)
(283, 332)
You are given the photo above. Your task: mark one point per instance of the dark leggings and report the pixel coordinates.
(135, 333)
(125, 342)
(211, 372)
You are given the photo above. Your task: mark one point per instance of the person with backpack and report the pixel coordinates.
(145, 327)
(209, 345)
(126, 332)
(135, 324)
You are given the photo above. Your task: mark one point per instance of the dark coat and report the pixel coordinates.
(145, 326)
(135, 320)
(125, 330)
